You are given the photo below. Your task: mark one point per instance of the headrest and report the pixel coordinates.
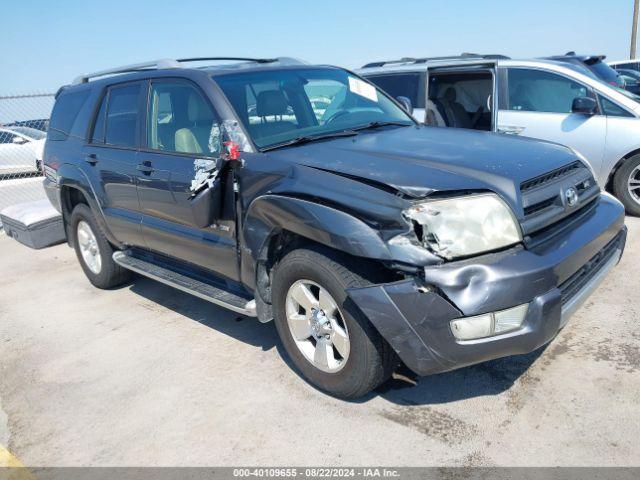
(450, 94)
(271, 102)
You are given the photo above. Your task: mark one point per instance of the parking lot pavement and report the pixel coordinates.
(147, 375)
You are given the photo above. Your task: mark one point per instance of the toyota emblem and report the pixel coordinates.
(571, 196)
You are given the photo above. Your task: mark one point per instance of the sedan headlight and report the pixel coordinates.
(464, 226)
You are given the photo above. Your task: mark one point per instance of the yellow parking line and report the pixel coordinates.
(9, 461)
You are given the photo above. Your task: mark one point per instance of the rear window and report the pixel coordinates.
(64, 114)
(606, 73)
(396, 85)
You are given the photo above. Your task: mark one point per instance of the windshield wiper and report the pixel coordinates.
(371, 125)
(311, 138)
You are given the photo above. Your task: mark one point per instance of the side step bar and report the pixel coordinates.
(186, 284)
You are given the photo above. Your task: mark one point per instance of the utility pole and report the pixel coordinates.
(634, 31)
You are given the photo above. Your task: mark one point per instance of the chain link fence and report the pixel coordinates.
(24, 120)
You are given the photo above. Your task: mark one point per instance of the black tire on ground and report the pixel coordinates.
(111, 274)
(621, 182)
(371, 359)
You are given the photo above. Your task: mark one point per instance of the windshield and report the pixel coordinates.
(30, 132)
(279, 106)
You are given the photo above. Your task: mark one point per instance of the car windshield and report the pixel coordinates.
(30, 132)
(279, 106)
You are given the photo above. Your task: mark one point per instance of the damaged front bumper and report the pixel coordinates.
(553, 278)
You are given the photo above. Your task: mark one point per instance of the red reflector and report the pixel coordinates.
(233, 150)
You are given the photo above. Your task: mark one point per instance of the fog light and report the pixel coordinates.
(489, 324)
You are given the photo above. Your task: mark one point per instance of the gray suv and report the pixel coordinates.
(305, 195)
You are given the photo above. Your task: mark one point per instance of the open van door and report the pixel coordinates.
(462, 94)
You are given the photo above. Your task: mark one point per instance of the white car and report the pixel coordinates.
(542, 99)
(20, 150)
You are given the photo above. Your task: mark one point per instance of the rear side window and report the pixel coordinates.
(405, 85)
(122, 116)
(64, 114)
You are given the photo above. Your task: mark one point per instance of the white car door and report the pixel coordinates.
(17, 153)
(538, 103)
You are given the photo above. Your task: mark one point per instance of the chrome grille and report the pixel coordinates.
(544, 198)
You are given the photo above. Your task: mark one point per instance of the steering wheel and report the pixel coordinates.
(336, 116)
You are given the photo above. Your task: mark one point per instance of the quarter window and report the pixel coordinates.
(122, 116)
(538, 91)
(181, 120)
(612, 109)
(64, 114)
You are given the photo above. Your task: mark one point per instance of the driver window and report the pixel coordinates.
(181, 120)
(538, 91)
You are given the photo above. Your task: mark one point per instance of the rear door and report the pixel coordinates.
(181, 140)
(537, 103)
(110, 157)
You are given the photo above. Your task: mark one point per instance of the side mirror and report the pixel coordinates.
(19, 140)
(406, 103)
(584, 105)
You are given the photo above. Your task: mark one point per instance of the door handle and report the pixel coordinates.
(511, 129)
(91, 158)
(145, 167)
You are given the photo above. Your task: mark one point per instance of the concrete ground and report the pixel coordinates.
(147, 375)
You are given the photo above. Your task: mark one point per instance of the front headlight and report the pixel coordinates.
(464, 226)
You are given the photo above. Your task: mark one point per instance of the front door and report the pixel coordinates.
(181, 144)
(538, 104)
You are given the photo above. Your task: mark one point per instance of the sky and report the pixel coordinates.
(48, 43)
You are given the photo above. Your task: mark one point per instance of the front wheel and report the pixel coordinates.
(626, 184)
(328, 339)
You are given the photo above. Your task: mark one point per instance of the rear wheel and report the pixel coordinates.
(94, 251)
(328, 339)
(626, 184)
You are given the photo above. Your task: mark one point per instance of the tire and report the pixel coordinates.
(109, 274)
(370, 360)
(630, 167)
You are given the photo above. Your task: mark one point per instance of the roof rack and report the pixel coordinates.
(463, 56)
(174, 63)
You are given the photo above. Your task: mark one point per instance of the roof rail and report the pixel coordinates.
(462, 56)
(203, 59)
(177, 63)
(155, 64)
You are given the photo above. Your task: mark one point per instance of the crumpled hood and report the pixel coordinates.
(420, 160)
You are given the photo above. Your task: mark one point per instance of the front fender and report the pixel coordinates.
(339, 230)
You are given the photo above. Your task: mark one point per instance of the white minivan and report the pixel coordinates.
(543, 99)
